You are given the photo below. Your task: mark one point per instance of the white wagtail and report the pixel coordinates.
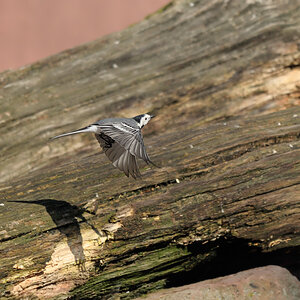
(122, 141)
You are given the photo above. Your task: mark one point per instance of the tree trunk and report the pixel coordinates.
(223, 78)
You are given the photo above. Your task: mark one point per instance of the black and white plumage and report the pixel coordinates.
(121, 140)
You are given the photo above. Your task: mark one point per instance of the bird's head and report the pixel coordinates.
(143, 120)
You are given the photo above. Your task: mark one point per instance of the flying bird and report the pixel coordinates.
(121, 140)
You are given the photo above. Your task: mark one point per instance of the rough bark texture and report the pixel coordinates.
(223, 79)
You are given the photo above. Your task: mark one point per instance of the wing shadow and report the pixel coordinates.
(65, 215)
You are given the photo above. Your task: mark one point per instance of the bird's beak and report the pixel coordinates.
(152, 116)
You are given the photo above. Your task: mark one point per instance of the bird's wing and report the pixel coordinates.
(119, 156)
(127, 136)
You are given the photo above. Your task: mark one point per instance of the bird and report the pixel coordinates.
(121, 140)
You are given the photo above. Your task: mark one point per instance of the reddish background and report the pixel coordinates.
(33, 29)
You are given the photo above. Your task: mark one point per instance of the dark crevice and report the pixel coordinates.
(14, 236)
(240, 198)
(143, 189)
(232, 255)
(292, 66)
(240, 149)
(225, 256)
(270, 191)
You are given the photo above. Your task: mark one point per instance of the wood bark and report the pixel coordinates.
(223, 78)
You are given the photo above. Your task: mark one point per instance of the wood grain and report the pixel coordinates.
(223, 79)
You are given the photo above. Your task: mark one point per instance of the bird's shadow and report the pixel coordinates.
(65, 216)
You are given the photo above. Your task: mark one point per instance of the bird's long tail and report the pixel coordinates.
(91, 128)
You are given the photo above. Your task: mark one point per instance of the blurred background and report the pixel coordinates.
(34, 29)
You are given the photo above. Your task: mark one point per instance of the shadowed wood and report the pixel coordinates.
(223, 79)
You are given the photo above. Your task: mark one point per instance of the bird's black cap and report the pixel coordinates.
(138, 118)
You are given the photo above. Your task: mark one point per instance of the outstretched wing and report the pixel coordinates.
(119, 156)
(128, 136)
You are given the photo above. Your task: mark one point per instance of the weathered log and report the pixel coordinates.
(223, 79)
